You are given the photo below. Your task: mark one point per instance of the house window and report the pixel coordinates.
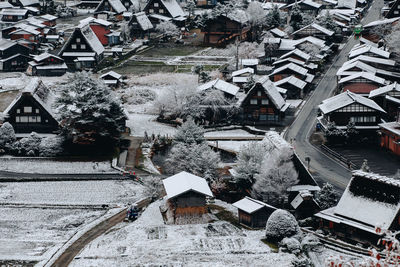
(73, 46)
(14, 63)
(78, 40)
(83, 46)
(27, 109)
(126, 4)
(396, 12)
(253, 101)
(19, 17)
(161, 11)
(151, 10)
(258, 93)
(37, 110)
(18, 111)
(23, 119)
(155, 4)
(263, 117)
(264, 102)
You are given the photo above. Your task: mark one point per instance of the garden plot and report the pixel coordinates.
(146, 123)
(237, 133)
(34, 234)
(71, 192)
(27, 165)
(148, 241)
(229, 146)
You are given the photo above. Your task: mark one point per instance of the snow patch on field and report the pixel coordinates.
(230, 146)
(141, 123)
(71, 192)
(229, 133)
(24, 165)
(148, 241)
(34, 234)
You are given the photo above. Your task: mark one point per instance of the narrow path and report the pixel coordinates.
(73, 250)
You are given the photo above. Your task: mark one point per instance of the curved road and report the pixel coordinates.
(324, 168)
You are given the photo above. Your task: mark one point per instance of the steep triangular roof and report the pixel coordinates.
(90, 38)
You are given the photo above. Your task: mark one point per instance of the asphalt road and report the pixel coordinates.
(324, 168)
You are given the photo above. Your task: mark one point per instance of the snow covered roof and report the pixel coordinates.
(297, 52)
(112, 74)
(394, 87)
(370, 199)
(48, 17)
(278, 32)
(271, 91)
(381, 22)
(5, 44)
(369, 59)
(368, 42)
(317, 27)
(362, 49)
(313, 40)
(29, 2)
(249, 61)
(173, 8)
(351, 4)
(291, 66)
(116, 5)
(143, 21)
(297, 188)
(243, 71)
(356, 64)
(5, 5)
(39, 92)
(344, 99)
(366, 75)
(293, 81)
(14, 11)
(90, 20)
(277, 140)
(45, 55)
(184, 182)
(220, 85)
(250, 205)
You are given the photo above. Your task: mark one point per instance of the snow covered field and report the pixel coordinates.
(71, 192)
(230, 146)
(149, 242)
(141, 123)
(53, 167)
(229, 133)
(34, 234)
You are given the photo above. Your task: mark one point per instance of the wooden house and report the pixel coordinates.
(306, 6)
(315, 30)
(242, 76)
(304, 205)
(49, 20)
(388, 98)
(27, 33)
(13, 56)
(100, 27)
(250, 63)
(223, 30)
(83, 50)
(296, 54)
(46, 65)
(295, 88)
(31, 110)
(263, 104)
(361, 83)
(114, 7)
(165, 10)
(112, 78)
(369, 30)
(13, 14)
(88, 4)
(278, 33)
(370, 201)
(253, 213)
(140, 25)
(186, 195)
(376, 62)
(368, 50)
(349, 107)
(291, 69)
(390, 135)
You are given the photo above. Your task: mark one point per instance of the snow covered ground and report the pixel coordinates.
(149, 242)
(229, 133)
(71, 192)
(141, 123)
(24, 165)
(230, 146)
(34, 234)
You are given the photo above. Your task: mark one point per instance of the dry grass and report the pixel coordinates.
(6, 98)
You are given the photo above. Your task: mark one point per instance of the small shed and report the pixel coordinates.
(186, 194)
(304, 205)
(253, 213)
(111, 78)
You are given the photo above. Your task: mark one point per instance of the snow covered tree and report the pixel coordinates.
(310, 49)
(296, 17)
(7, 135)
(256, 16)
(89, 111)
(274, 18)
(392, 38)
(27, 146)
(327, 197)
(167, 28)
(249, 161)
(198, 159)
(364, 166)
(125, 32)
(51, 146)
(281, 224)
(204, 77)
(189, 133)
(328, 22)
(191, 6)
(153, 187)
